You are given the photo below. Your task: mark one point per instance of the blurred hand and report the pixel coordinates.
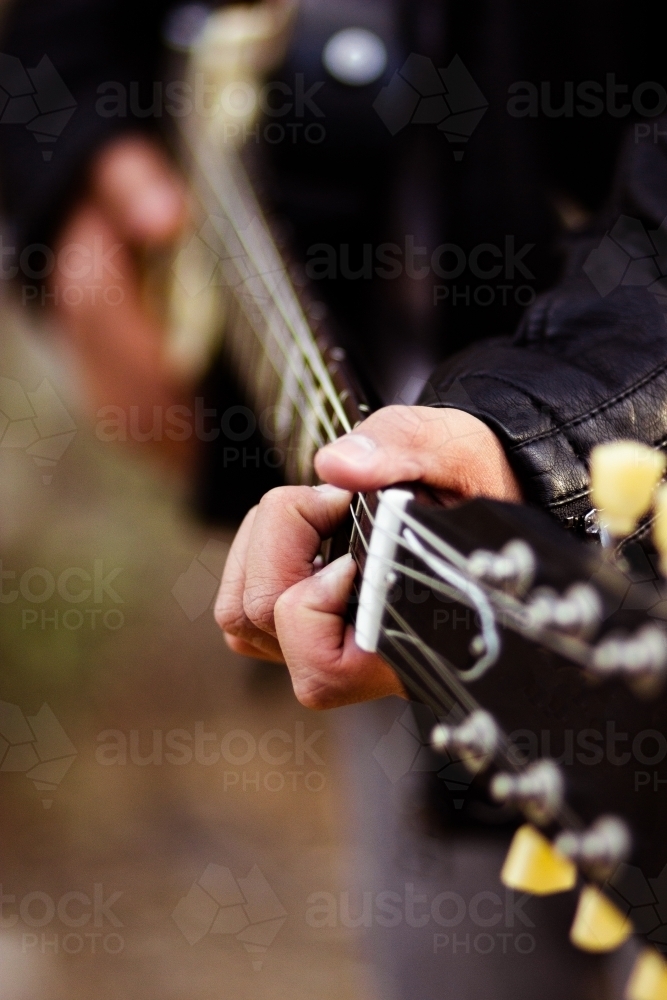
(135, 203)
(273, 604)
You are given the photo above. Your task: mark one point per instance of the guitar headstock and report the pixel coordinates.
(545, 660)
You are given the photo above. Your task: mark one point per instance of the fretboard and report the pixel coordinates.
(294, 377)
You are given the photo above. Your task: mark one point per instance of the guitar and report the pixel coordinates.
(543, 658)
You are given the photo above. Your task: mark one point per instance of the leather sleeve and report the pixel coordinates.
(589, 361)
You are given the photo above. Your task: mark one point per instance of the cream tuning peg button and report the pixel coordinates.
(476, 739)
(538, 790)
(660, 527)
(648, 979)
(533, 865)
(624, 475)
(598, 925)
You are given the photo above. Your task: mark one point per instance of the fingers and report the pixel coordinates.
(274, 548)
(240, 633)
(448, 449)
(326, 666)
(142, 194)
(266, 648)
(287, 534)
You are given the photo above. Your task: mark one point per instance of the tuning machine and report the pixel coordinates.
(512, 569)
(538, 791)
(475, 740)
(640, 658)
(598, 850)
(577, 613)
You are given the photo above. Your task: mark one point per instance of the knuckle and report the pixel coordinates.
(225, 612)
(310, 694)
(258, 606)
(229, 620)
(280, 498)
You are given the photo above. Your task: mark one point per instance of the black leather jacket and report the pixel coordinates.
(589, 361)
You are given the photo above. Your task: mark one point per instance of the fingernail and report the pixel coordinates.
(336, 570)
(352, 447)
(333, 490)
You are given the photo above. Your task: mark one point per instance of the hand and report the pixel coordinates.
(274, 604)
(134, 203)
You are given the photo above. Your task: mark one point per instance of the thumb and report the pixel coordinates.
(140, 191)
(447, 449)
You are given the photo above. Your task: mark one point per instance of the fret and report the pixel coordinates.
(265, 274)
(297, 371)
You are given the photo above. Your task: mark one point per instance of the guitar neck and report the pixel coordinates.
(294, 376)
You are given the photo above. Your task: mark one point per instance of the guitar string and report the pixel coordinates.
(245, 302)
(317, 414)
(567, 817)
(306, 418)
(266, 250)
(316, 406)
(421, 672)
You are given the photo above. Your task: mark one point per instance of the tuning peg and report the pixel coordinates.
(641, 658)
(660, 526)
(475, 740)
(538, 790)
(598, 850)
(578, 612)
(624, 475)
(513, 568)
(533, 865)
(598, 924)
(648, 979)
